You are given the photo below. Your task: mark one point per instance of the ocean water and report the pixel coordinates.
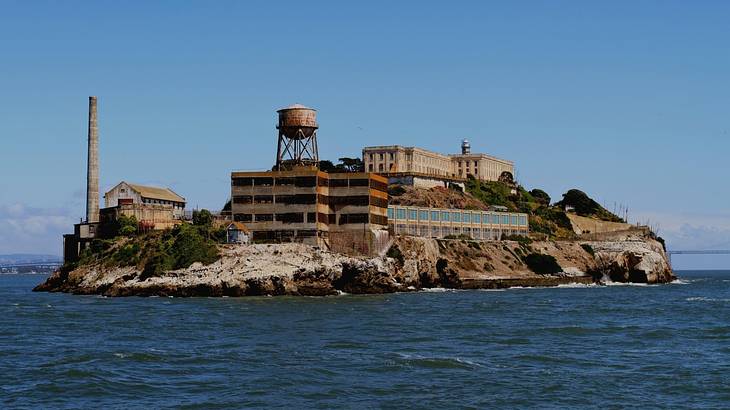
(574, 346)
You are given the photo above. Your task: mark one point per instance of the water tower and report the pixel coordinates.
(297, 137)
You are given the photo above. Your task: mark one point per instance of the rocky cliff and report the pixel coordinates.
(411, 264)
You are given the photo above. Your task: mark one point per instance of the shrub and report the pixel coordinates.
(542, 264)
(521, 239)
(541, 196)
(461, 236)
(203, 218)
(128, 230)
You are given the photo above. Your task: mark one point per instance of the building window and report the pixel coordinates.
(445, 216)
(514, 220)
(423, 215)
(434, 215)
(370, 167)
(391, 156)
(400, 214)
(390, 213)
(380, 167)
(371, 157)
(523, 221)
(380, 156)
(456, 216)
(505, 219)
(495, 219)
(477, 219)
(467, 218)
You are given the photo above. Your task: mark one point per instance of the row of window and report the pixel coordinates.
(442, 231)
(311, 217)
(311, 199)
(456, 216)
(309, 181)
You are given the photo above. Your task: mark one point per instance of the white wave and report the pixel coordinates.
(680, 282)
(341, 293)
(578, 285)
(121, 355)
(705, 299)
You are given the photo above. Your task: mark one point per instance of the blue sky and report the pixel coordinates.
(629, 101)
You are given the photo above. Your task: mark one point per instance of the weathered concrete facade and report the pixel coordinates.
(398, 160)
(310, 206)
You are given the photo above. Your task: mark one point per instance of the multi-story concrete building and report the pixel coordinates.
(340, 211)
(397, 161)
(438, 222)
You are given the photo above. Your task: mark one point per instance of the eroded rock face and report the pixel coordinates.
(296, 269)
(634, 260)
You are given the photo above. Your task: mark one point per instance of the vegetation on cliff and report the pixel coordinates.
(155, 252)
(586, 206)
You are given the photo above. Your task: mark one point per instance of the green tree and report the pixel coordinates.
(202, 218)
(351, 164)
(540, 196)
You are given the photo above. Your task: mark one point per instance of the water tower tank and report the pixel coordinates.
(297, 137)
(297, 121)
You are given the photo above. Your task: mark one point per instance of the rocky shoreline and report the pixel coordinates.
(412, 264)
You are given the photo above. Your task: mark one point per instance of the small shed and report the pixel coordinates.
(236, 232)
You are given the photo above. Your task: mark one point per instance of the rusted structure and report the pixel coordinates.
(297, 145)
(346, 212)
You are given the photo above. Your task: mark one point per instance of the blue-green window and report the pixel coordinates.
(423, 215)
(467, 218)
(523, 221)
(477, 218)
(495, 219)
(445, 216)
(434, 215)
(390, 213)
(412, 214)
(514, 219)
(505, 219)
(400, 214)
(456, 216)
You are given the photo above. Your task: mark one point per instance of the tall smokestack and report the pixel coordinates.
(92, 171)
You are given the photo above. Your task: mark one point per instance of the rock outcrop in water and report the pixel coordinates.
(413, 263)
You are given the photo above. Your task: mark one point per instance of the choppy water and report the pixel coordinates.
(616, 347)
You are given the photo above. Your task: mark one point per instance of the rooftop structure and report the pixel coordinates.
(345, 212)
(398, 161)
(297, 144)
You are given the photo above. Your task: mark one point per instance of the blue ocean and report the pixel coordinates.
(574, 346)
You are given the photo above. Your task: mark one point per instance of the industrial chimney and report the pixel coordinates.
(92, 171)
